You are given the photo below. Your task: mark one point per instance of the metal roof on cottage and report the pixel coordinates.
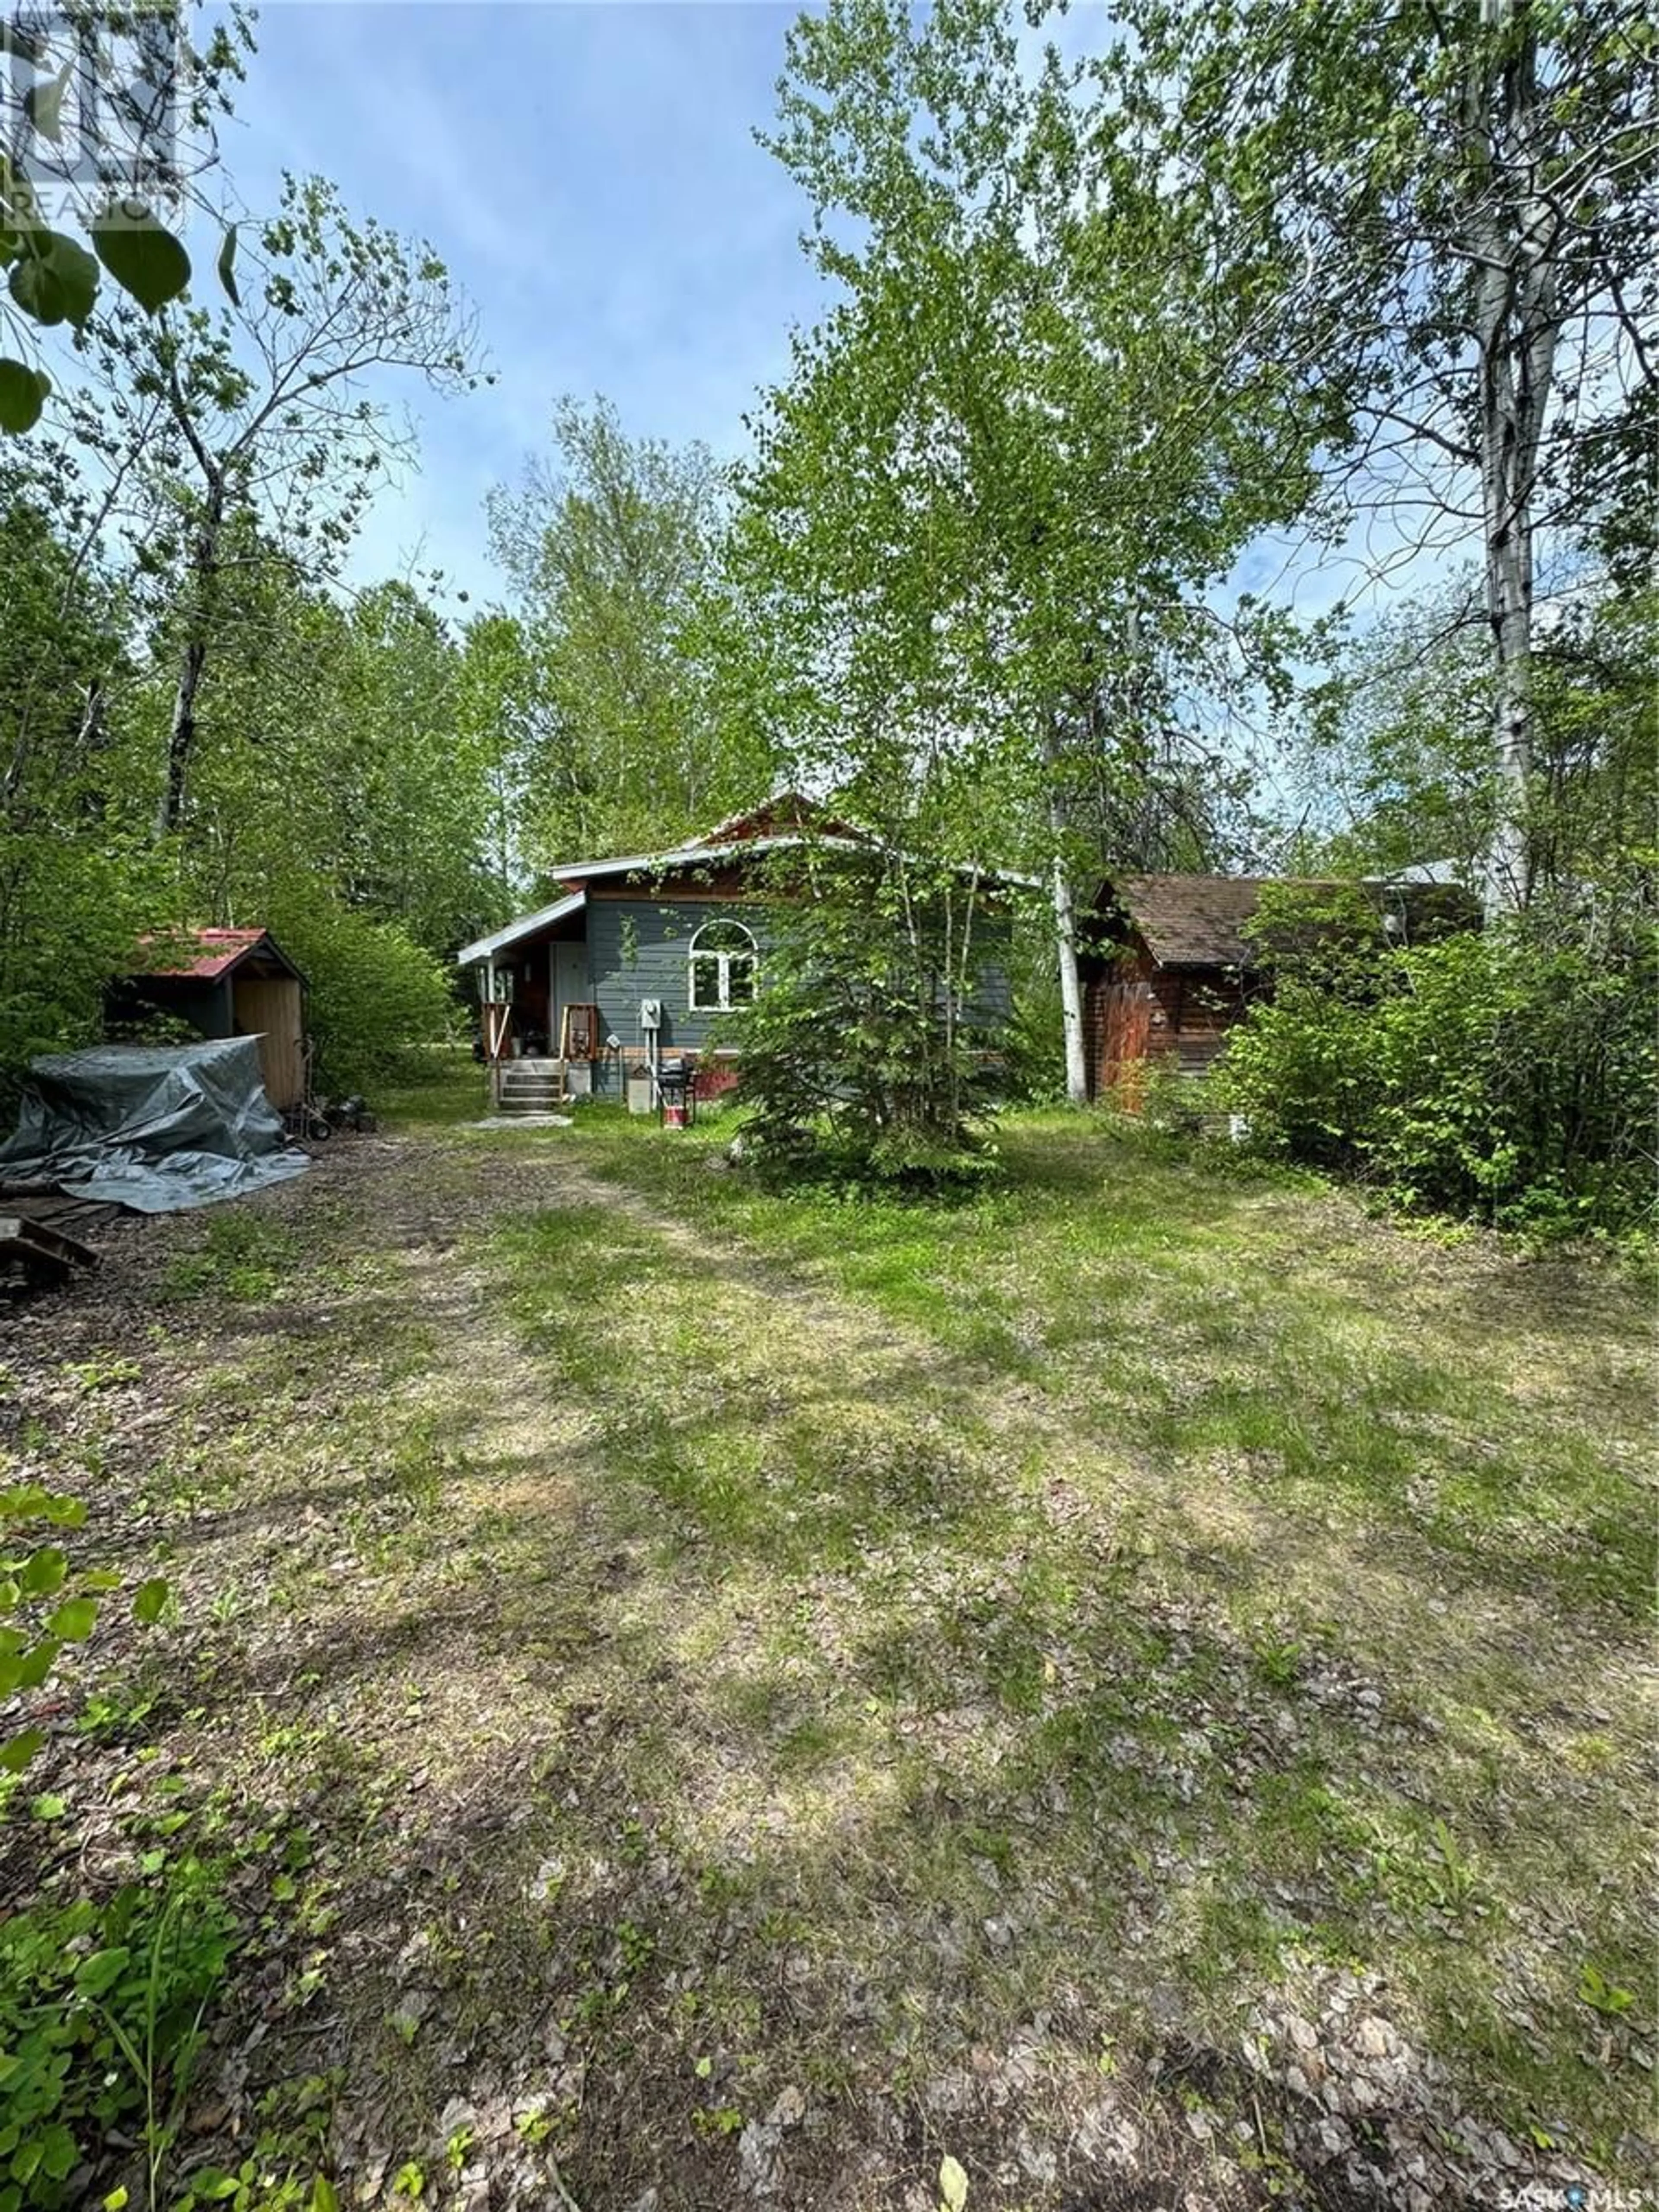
(207, 954)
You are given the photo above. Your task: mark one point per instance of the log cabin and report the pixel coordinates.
(1171, 966)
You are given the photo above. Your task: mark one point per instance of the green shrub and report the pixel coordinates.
(69, 916)
(45, 1600)
(375, 998)
(863, 1055)
(1170, 1105)
(100, 2017)
(1034, 1039)
(1508, 1073)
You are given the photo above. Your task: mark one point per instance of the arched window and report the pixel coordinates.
(722, 968)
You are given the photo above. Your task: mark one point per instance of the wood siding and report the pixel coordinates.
(1137, 1012)
(640, 948)
(271, 1009)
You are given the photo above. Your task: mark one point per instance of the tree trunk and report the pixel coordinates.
(1070, 990)
(1509, 600)
(1512, 233)
(181, 734)
(181, 737)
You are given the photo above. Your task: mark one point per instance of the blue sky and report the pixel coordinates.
(589, 173)
(588, 170)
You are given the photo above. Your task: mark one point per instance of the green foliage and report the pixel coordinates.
(345, 781)
(1603, 1994)
(631, 739)
(1399, 737)
(1033, 1052)
(145, 258)
(1170, 1108)
(102, 2004)
(862, 1052)
(76, 886)
(209, 737)
(1033, 1056)
(44, 1602)
(260, 2184)
(1407, 155)
(52, 279)
(23, 392)
(375, 996)
(1032, 431)
(1508, 1074)
(342, 756)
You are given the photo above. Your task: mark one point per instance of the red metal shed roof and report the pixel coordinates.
(219, 950)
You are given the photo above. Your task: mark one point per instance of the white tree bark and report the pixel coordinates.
(1071, 990)
(1512, 238)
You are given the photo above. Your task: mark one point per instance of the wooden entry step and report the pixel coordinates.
(529, 1086)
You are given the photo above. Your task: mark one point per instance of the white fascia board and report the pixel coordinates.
(646, 863)
(486, 948)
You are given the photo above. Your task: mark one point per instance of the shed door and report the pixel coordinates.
(1126, 1036)
(268, 1007)
(569, 985)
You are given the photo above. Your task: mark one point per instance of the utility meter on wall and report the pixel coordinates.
(650, 1014)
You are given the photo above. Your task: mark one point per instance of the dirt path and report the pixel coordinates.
(718, 1746)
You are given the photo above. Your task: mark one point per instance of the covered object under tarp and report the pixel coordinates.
(157, 1128)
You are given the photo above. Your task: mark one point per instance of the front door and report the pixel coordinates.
(569, 985)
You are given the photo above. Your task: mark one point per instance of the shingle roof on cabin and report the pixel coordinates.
(1199, 922)
(1194, 921)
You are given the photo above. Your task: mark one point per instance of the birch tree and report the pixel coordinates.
(1471, 183)
(263, 422)
(1036, 426)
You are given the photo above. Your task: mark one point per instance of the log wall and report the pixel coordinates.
(1136, 1012)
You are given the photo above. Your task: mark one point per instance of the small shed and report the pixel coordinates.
(226, 983)
(1173, 969)
(1173, 972)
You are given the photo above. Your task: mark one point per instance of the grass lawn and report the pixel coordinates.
(1132, 1683)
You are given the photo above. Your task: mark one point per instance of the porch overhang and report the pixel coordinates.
(527, 926)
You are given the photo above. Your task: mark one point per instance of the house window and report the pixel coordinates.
(722, 968)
